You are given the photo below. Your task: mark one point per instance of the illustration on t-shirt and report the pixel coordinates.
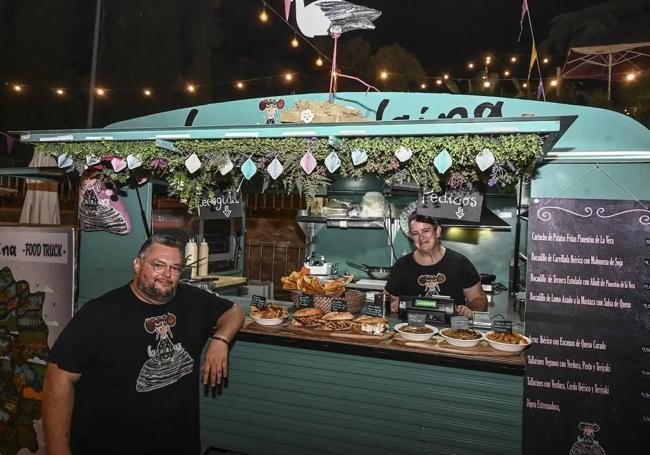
(168, 362)
(431, 283)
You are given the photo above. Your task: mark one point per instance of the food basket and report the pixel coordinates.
(355, 300)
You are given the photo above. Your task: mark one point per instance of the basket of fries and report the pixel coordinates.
(323, 293)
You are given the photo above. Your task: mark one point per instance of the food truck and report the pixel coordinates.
(559, 234)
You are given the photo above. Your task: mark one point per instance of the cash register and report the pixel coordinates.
(438, 309)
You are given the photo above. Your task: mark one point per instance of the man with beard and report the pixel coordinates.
(123, 375)
(434, 270)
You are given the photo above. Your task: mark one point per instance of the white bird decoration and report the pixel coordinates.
(331, 17)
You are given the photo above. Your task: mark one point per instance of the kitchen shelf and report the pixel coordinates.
(344, 222)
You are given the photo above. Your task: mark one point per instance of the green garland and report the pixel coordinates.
(514, 159)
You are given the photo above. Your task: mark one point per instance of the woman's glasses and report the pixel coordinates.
(160, 267)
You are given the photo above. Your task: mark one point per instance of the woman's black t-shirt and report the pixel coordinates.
(139, 365)
(453, 273)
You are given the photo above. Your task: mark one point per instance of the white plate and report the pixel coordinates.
(461, 343)
(265, 321)
(507, 346)
(415, 336)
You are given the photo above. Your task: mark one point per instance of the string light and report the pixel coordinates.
(288, 77)
(438, 81)
(17, 88)
(264, 17)
(630, 77)
(319, 61)
(294, 42)
(488, 60)
(190, 88)
(383, 75)
(423, 86)
(486, 84)
(445, 77)
(546, 60)
(59, 91)
(525, 85)
(146, 92)
(470, 65)
(513, 59)
(239, 85)
(554, 83)
(100, 91)
(506, 73)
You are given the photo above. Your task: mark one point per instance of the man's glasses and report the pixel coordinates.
(160, 267)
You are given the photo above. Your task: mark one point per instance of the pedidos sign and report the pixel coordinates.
(452, 205)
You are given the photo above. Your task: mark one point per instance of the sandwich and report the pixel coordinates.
(307, 317)
(337, 320)
(371, 325)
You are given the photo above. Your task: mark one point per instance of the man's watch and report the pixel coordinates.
(220, 338)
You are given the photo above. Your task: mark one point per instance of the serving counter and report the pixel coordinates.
(296, 391)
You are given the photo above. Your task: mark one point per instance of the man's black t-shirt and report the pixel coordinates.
(139, 365)
(453, 273)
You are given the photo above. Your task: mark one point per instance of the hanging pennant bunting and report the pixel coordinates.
(403, 154)
(275, 168)
(335, 142)
(64, 161)
(226, 167)
(192, 163)
(248, 169)
(442, 161)
(118, 164)
(133, 162)
(91, 160)
(359, 157)
(332, 162)
(308, 163)
(484, 159)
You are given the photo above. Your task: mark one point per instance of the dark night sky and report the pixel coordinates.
(163, 44)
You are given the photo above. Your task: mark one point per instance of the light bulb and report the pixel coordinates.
(319, 61)
(146, 92)
(486, 84)
(438, 81)
(513, 59)
(191, 88)
(100, 91)
(263, 16)
(240, 85)
(59, 91)
(423, 86)
(630, 76)
(470, 65)
(383, 75)
(294, 42)
(445, 77)
(288, 76)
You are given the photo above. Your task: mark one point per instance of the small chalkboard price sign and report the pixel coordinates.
(459, 322)
(339, 305)
(258, 301)
(373, 309)
(305, 301)
(502, 326)
(416, 319)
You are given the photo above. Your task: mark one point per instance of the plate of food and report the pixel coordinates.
(464, 338)
(272, 314)
(307, 317)
(510, 342)
(415, 333)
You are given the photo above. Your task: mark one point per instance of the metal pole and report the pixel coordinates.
(609, 79)
(93, 67)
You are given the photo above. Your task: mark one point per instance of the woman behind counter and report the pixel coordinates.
(434, 270)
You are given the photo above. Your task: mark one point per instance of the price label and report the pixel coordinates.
(502, 326)
(339, 305)
(416, 319)
(373, 309)
(259, 301)
(305, 301)
(459, 322)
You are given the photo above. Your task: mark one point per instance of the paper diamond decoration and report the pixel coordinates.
(248, 169)
(133, 161)
(403, 154)
(359, 157)
(64, 161)
(91, 160)
(275, 169)
(193, 163)
(226, 167)
(306, 116)
(335, 142)
(484, 159)
(308, 163)
(442, 161)
(332, 162)
(118, 164)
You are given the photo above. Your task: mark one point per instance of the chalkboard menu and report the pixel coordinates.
(587, 387)
(305, 301)
(258, 301)
(339, 305)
